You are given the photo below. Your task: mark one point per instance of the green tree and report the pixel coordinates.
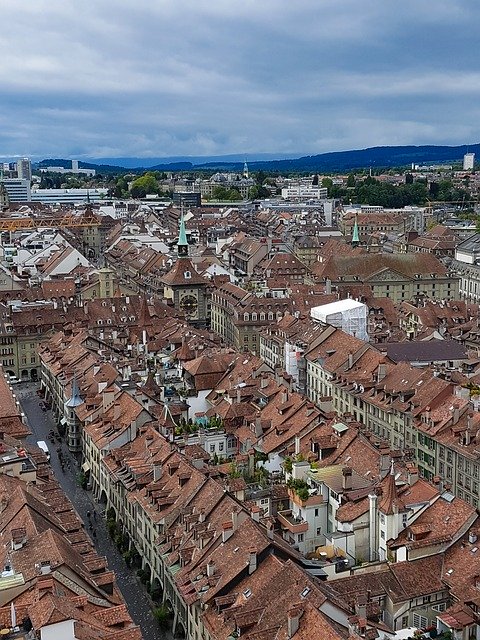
(146, 184)
(351, 180)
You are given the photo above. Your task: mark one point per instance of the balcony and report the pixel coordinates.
(293, 524)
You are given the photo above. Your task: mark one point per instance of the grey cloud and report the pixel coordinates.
(196, 77)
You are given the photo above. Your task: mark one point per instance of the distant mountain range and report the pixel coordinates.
(375, 157)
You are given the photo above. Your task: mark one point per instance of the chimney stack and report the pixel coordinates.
(210, 568)
(347, 478)
(252, 562)
(227, 531)
(157, 471)
(293, 621)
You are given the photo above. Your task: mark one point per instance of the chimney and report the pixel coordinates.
(284, 397)
(270, 530)
(117, 411)
(45, 567)
(298, 442)
(227, 531)
(255, 513)
(264, 382)
(456, 414)
(157, 471)
(468, 432)
(210, 568)
(201, 515)
(258, 426)
(412, 474)
(328, 286)
(361, 606)
(235, 518)
(239, 395)
(350, 360)
(293, 621)
(381, 372)
(347, 478)
(252, 561)
(85, 307)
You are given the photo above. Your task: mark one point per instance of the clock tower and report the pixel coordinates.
(184, 287)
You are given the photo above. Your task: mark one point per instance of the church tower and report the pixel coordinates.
(184, 287)
(74, 436)
(245, 170)
(355, 234)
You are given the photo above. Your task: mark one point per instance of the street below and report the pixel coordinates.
(66, 470)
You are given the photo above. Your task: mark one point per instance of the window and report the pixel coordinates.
(187, 275)
(300, 537)
(220, 446)
(212, 448)
(420, 621)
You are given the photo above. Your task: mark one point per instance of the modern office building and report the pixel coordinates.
(24, 169)
(18, 189)
(65, 196)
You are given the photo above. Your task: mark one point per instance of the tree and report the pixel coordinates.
(146, 184)
(257, 193)
(351, 180)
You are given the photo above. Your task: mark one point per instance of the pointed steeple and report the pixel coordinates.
(355, 234)
(390, 497)
(245, 169)
(182, 244)
(75, 399)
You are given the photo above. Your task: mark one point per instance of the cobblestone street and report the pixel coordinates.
(133, 592)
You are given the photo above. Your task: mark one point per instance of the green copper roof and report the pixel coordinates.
(355, 236)
(182, 236)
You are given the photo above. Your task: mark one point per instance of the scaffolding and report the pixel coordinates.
(348, 315)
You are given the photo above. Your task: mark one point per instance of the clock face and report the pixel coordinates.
(189, 305)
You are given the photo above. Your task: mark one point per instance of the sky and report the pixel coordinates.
(157, 78)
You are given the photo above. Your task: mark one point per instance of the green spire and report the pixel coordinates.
(355, 235)
(182, 244)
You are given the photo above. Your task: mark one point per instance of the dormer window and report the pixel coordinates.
(187, 275)
(254, 316)
(246, 317)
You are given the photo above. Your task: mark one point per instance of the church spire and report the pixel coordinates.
(182, 244)
(355, 234)
(245, 169)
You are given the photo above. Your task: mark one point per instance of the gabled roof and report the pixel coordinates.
(183, 273)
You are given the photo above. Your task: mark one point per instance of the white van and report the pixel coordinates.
(41, 444)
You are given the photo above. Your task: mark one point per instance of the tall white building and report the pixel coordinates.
(468, 161)
(24, 169)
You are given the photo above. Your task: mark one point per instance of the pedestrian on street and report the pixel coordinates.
(88, 514)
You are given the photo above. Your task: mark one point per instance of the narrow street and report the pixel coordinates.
(40, 423)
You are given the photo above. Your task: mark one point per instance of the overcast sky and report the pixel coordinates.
(107, 78)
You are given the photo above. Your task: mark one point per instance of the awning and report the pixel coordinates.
(85, 467)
